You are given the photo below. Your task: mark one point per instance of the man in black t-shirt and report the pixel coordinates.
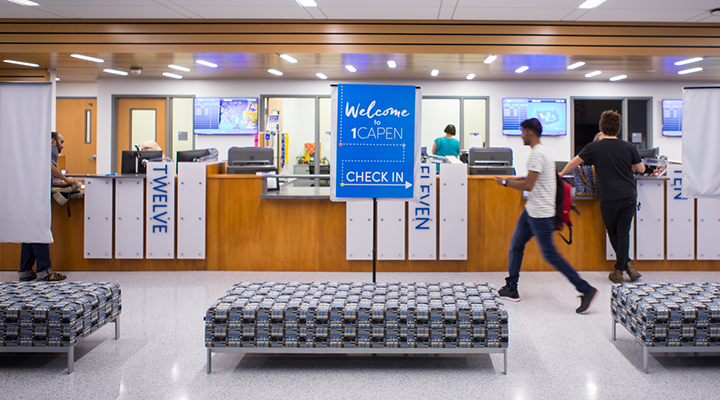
(614, 160)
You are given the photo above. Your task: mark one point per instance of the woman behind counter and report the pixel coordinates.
(448, 145)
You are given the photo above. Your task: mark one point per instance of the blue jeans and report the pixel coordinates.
(543, 230)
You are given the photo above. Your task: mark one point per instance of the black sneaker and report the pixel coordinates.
(586, 300)
(509, 295)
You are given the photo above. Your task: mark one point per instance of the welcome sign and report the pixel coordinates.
(375, 141)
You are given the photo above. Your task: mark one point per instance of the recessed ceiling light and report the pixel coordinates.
(576, 65)
(689, 61)
(434, 72)
(171, 75)
(288, 58)
(690, 71)
(522, 69)
(594, 73)
(618, 78)
(206, 63)
(307, 3)
(27, 64)
(275, 72)
(350, 68)
(589, 4)
(87, 58)
(114, 71)
(470, 77)
(25, 3)
(321, 75)
(179, 68)
(490, 59)
(391, 64)
(57, 79)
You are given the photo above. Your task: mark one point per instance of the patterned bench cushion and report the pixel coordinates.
(57, 314)
(669, 314)
(358, 315)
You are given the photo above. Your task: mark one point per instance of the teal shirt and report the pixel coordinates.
(447, 147)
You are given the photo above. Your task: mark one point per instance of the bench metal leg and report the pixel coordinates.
(505, 362)
(71, 359)
(209, 360)
(117, 328)
(645, 359)
(614, 329)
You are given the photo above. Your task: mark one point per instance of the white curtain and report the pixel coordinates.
(25, 162)
(701, 142)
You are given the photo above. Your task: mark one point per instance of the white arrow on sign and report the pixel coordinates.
(406, 184)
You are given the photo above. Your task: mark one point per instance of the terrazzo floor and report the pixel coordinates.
(553, 352)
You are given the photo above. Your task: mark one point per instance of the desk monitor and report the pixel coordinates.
(191, 155)
(132, 161)
(490, 156)
(324, 169)
(560, 165)
(649, 153)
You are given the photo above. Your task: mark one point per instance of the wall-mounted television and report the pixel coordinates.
(552, 114)
(226, 116)
(672, 117)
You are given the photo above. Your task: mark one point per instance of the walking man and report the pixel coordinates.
(538, 218)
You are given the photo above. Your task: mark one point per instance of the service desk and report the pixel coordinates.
(247, 232)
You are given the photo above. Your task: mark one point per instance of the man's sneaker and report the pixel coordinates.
(29, 278)
(508, 294)
(586, 300)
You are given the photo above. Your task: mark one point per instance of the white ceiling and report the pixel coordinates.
(530, 10)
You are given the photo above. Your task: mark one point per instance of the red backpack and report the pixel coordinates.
(563, 205)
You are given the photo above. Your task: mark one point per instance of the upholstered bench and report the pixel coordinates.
(52, 317)
(669, 317)
(348, 318)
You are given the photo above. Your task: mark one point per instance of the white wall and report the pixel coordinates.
(496, 90)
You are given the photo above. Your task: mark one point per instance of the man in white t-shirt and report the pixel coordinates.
(538, 218)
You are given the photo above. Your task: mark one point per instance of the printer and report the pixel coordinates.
(490, 161)
(250, 160)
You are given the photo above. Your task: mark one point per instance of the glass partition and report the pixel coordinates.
(474, 124)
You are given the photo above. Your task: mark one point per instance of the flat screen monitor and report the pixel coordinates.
(132, 161)
(552, 114)
(191, 155)
(226, 116)
(672, 117)
(649, 153)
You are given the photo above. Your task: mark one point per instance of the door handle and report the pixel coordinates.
(93, 157)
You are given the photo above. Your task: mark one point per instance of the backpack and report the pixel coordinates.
(563, 205)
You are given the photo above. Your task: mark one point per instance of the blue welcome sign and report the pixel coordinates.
(375, 142)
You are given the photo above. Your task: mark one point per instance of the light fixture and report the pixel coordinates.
(171, 75)
(715, 12)
(350, 68)
(87, 58)
(470, 77)
(490, 59)
(434, 72)
(307, 3)
(114, 71)
(618, 78)
(594, 73)
(27, 3)
(321, 75)
(27, 64)
(522, 69)
(576, 65)
(179, 68)
(275, 72)
(206, 63)
(391, 64)
(288, 58)
(57, 79)
(689, 61)
(590, 4)
(690, 71)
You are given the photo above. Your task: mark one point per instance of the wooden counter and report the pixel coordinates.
(245, 232)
